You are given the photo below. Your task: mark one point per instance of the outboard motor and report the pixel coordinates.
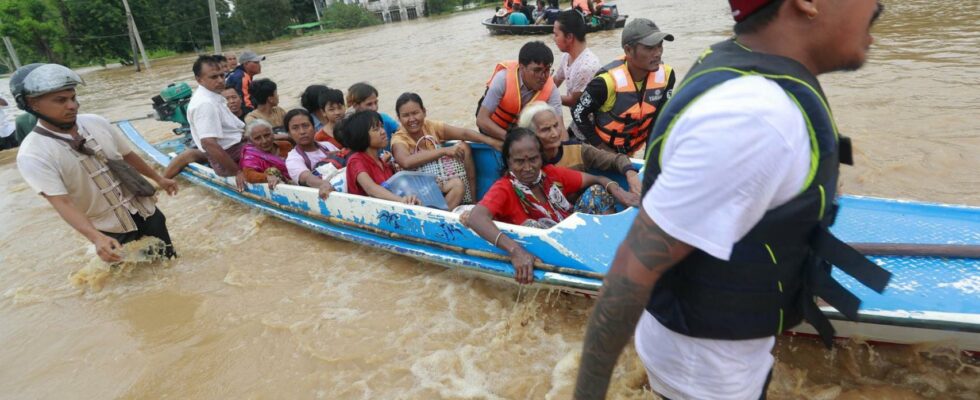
(171, 105)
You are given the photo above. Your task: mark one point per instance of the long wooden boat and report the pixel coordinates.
(503, 29)
(930, 299)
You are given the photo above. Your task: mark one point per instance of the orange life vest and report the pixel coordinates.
(582, 6)
(509, 5)
(627, 125)
(505, 116)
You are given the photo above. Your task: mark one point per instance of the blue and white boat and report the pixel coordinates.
(929, 299)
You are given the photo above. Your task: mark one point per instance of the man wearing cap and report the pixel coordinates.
(241, 77)
(732, 241)
(620, 104)
(66, 160)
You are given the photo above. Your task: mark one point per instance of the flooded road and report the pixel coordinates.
(259, 308)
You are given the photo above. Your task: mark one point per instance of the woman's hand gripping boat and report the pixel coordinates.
(929, 299)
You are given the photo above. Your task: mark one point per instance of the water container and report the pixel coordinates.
(420, 184)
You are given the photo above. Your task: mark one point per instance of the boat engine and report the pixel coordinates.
(171, 105)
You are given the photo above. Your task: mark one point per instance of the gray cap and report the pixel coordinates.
(644, 31)
(249, 55)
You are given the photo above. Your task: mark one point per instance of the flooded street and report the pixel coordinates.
(259, 308)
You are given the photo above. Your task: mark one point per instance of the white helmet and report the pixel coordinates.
(38, 79)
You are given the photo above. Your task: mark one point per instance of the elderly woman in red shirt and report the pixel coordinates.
(532, 194)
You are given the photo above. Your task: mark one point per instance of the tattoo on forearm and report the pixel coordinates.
(610, 327)
(651, 246)
(622, 302)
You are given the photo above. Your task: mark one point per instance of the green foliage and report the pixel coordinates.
(98, 31)
(160, 53)
(88, 32)
(347, 16)
(35, 28)
(261, 19)
(435, 7)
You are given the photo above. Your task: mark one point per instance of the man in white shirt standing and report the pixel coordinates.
(732, 243)
(577, 65)
(66, 160)
(214, 128)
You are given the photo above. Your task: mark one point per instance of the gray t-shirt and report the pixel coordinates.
(496, 91)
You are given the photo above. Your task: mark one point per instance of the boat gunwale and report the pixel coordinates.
(581, 285)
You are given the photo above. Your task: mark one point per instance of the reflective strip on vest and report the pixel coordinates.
(627, 124)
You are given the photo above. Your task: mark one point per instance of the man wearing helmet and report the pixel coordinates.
(65, 160)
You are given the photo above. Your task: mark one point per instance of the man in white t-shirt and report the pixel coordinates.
(215, 130)
(732, 158)
(577, 65)
(65, 161)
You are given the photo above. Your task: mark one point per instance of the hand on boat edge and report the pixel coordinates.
(523, 262)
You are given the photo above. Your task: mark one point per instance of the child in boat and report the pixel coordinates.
(362, 96)
(305, 159)
(419, 141)
(308, 100)
(330, 103)
(263, 158)
(364, 135)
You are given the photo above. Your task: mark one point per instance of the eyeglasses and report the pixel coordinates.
(539, 71)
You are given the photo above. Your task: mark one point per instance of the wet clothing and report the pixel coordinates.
(256, 162)
(361, 162)
(508, 203)
(607, 113)
(50, 167)
(154, 225)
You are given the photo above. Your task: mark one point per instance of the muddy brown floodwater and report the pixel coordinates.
(259, 308)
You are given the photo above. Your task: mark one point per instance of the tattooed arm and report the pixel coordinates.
(643, 257)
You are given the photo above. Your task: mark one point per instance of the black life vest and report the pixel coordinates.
(775, 271)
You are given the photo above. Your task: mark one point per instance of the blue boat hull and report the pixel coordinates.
(929, 299)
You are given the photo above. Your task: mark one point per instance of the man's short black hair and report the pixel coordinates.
(201, 61)
(219, 58)
(355, 130)
(261, 90)
(759, 19)
(535, 52)
(571, 22)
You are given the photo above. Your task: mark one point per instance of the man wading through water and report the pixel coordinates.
(76, 162)
(732, 243)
